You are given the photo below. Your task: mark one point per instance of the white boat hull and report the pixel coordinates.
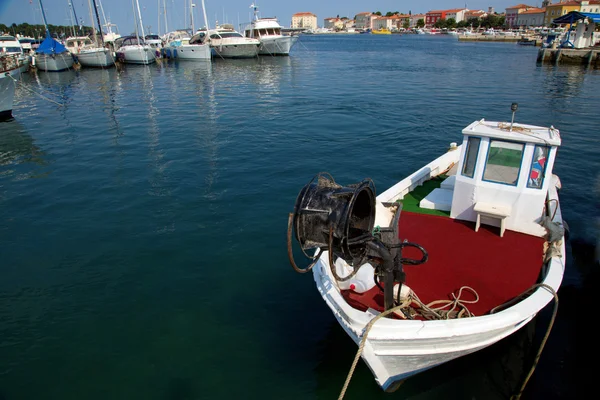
(55, 62)
(136, 55)
(99, 58)
(396, 349)
(276, 45)
(9, 75)
(188, 52)
(236, 50)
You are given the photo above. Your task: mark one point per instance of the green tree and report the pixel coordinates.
(377, 13)
(440, 23)
(451, 23)
(406, 24)
(420, 23)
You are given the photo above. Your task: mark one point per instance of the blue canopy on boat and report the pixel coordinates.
(575, 16)
(50, 46)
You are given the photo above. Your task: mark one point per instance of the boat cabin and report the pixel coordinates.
(502, 178)
(75, 44)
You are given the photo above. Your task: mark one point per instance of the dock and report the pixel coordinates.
(589, 57)
(488, 38)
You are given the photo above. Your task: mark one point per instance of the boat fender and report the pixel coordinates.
(405, 292)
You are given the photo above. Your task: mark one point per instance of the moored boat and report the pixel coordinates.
(133, 50)
(381, 31)
(268, 32)
(458, 255)
(9, 74)
(50, 55)
(11, 45)
(226, 42)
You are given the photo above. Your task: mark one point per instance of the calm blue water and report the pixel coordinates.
(143, 214)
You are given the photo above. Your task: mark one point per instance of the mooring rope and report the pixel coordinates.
(458, 315)
(34, 92)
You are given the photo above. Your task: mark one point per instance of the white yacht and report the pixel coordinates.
(226, 42)
(9, 74)
(11, 45)
(180, 45)
(133, 50)
(268, 31)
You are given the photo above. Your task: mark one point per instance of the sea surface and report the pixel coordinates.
(143, 217)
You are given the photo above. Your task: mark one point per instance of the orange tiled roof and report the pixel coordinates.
(519, 6)
(455, 10)
(302, 14)
(534, 11)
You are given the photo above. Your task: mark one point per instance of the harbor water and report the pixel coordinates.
(143, 217)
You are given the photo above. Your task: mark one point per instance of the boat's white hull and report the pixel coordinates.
(98, 57)
(136, 54)
(8, 82)
(55, 62)
(235, 50)
(188, 52)
(397, 349)
(276, 45)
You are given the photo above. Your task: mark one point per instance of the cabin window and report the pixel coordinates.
(503, 162)
(538, 167)
(471, 156)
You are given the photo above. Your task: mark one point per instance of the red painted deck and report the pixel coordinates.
(498, 268)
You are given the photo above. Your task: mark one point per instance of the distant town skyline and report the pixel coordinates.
(235, 12)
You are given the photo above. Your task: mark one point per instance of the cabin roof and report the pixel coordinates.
(519, 132)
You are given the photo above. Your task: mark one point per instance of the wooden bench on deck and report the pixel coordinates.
(491, 211)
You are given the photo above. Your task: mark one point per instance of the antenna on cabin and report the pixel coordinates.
(513, 107)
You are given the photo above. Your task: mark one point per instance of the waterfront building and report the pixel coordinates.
(592, 6)
(414, 19)
(306, 20)
(475, 15)
(531, 18)
(333, 23)
(513, 12)
(364, 20)
(556, 10)
(389, 23)
(458, 14)
(433, 16)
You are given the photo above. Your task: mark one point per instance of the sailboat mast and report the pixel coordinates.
(44, 16)
(75, 15)
(92, 23)
(141, 22)
(204, 12)
(165, 9)
(192, 5)
(98, 21)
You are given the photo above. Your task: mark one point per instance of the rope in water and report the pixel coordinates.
(458, 315)
(34, 92)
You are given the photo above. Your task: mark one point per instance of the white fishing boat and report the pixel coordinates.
(9, 74)
(11, 45)
(453, 258)
(50, 55)
(268, 32)
(226, 42)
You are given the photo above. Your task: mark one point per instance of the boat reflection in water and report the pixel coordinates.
(20, 157)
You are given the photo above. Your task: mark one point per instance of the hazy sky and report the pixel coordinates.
(121, 12)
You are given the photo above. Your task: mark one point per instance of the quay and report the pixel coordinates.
(489, 38)
(589, 57)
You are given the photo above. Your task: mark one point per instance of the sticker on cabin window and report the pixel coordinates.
(471, 156)
(503, 162)
(538, 167)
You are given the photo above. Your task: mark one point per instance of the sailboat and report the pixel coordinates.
(96, 55)
(51, 56)
(179, 45)
(133, 49)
